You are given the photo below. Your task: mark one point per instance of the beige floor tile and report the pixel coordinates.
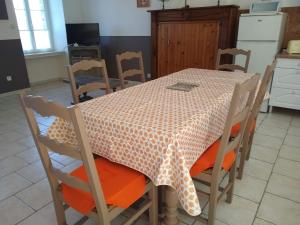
(261, 222)
(264, 153)
(217, 222)
(258, 169)
(279, 116)
(12, 184)
(289, 152)
(10, 148)
(13, 211)
(35, 171)
(294, 131)
(185, 218)
(287, 167)
(37, 195)
(62, 159)
(267, 141)
(11, 164)
(279, 210)
(45, 216)
(284, 186)
(296, 122)
(250, 188)
(11, 136)
(30, 155)
(272, 131)
(27, 141)
(292, 140)
(276, 123)
(244, 211)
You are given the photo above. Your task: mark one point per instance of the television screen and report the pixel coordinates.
(83, 33)
(3, 11)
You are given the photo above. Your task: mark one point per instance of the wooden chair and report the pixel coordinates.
(86, 65)
(220, 158)
(123, 74)
(250, 128)
(234, 52)
(85, 179)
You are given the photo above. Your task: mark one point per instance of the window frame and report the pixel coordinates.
(31, 30)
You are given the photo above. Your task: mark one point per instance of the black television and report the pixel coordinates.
(85, 34)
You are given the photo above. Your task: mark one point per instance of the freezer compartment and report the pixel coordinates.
(263, 28)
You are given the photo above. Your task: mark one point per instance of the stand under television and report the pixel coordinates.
(79, 53)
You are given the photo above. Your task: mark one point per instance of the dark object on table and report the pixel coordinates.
(183, 86)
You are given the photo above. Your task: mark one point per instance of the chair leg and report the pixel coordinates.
(231, 182)
(59, 211)
(153, 210)
(242, 163)
(249, 146)
(212, 207)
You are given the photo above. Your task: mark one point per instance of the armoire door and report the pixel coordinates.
(186, 45)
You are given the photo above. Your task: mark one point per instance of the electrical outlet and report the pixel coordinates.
(9, 78)
(148, 75)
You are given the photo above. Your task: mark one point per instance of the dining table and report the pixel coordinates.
(159, 130)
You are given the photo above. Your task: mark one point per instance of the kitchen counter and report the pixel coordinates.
(286, 55)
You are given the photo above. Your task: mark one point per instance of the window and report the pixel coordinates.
(33, 23)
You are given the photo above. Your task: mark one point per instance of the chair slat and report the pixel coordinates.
(91, 87)
(241, 116)
(61, 148)
(132, 72)
(70, 180)
(86, 65)
(46, 108)
(233, 52)
(231, 67)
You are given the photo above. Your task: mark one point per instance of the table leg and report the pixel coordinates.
(171, 213)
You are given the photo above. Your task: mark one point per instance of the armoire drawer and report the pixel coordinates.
(288, 63)
(285, 98)
(286, 78)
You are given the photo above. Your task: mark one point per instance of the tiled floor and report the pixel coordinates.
(268, 194)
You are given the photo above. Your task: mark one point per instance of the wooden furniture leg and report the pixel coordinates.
(171, 214)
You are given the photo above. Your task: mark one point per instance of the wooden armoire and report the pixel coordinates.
(190, 37)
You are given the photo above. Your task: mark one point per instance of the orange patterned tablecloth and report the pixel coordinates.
(158, 131)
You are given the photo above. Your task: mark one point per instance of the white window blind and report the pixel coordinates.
(34, 25)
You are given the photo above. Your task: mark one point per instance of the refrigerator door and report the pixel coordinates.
(262, 28)
(262, 54)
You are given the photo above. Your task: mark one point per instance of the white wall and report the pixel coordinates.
(45, 69)
(73, 11)
(123, 18)
(9, 28)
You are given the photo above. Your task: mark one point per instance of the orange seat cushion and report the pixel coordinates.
(121, 186)
(208, 159)
(236, 128)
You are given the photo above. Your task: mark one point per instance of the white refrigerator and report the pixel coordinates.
(263, 35)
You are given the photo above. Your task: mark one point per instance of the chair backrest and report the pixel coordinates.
(80, 151)
(234, 52)
(260, 94)
(123, 74)
(239, 110)
(86, 65)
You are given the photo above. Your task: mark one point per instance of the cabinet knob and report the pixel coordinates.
(259, 20)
